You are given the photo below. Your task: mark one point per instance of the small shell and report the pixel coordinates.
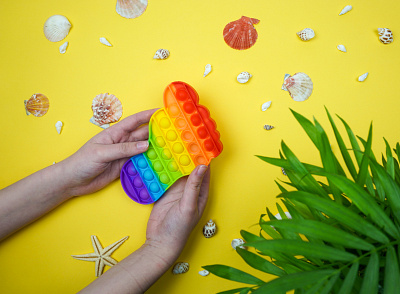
(204, 273)
(241, 34)
(56, 28)
(243, 77)
(209, 229)
(38, 105)
(278, 216)
(363, 77)
(104, 41)
(385, 35)
(180, 268)
(266, 105)
(106, 109)
(268, 127)
(161, 54)
(341, 48)
(284, 79)
(306, 34)
(131, 8)
(207, 70)
(346, 9)
(238, 242)
(63, 48)
(59, 126)
(283, 171)
(299, 86)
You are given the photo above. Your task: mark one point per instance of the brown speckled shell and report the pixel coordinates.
(38, 105)
(241, 34)
(106, 109)
(180, 268)
(209, 229)
(385, 35)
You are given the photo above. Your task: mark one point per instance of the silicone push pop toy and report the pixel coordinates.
(182, 135)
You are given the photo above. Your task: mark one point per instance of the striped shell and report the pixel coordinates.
(38, 105)
(180, 268)
(161, 54)
(106, 109)
(131, 8)
(385, 35)
(56, 28)
(299, 86)
(241, 34)
(209, 229)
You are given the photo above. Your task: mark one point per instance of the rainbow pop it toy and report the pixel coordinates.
(182, 135)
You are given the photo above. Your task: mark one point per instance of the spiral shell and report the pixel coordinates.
(209, 229)
(63, 47)
(241, 34)
(346, 9)
(385, 35)
(104, 41)
(161, 54)
(268, 127)
(204, 273)
(283, 171)
(207, 70)
(106, 109)
(306, 34)
(363, 77)
(131, 8)
(56, 28)
(180, 268)
(243, 77)
(341, 48)
(59, 126)
(238, 242)
(38, 105)
(266, 105)
(299, 86)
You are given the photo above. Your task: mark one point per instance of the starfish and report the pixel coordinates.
(102, 256)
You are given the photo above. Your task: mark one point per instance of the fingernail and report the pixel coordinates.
(142, 145)
(202, 169)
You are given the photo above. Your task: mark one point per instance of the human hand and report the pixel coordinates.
(176, 214)
(99, 161)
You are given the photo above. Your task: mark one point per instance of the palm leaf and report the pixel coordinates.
(232, 274)
(362, 174)
(350, 279)
(389, 160)
(392, 274)
(237, 290)
(371, 276)
(260, 263)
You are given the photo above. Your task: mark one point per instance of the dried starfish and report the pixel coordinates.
(102, 256)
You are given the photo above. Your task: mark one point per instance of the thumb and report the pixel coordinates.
(108, 153)
(192, 188)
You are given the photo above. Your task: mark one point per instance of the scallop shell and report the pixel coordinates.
(180, 268)
(238, 242)
(207, 70)
(56, 28)
(306, 34)
(268, 127)
(161, 54)
(59, 126)
(38, 105)
(209, 229)
(299, 86)
(243, 77)
(346, 9)
(363, 77)
(266, 105)
(63, 48)
(204, 273)
(104, 41)
(106, 109)
(241, 34)
(131, 8)
(341, 48)
(385, 35)
(278, 216)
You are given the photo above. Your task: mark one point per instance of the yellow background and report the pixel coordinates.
(38, 258)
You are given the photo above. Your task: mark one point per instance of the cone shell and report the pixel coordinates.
(385, 35)
(341, 48)
(56, 28)
(363, 77)
(306, 34)
(207, 70)
(346, 9)
(241, 34)
(131, 8)
(106, 109)
(299, 86)
(180, 268)
(59, 126)
(104, 41)
(209, 229)
(161, 54)
(38, 105)
(63, 48)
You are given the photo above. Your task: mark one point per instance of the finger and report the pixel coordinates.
(140, 134)
(192, 188)
(109, 153)
(132, 122)
(204, 190)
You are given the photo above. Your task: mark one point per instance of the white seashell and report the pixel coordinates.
(346, 9)
(238, 242)
(284, 79)
(207, 70)
(63, 48)
(341, 48)
(161, 54)
(131, 8)
(180, 268)
(59, 126)
(363, 77)
(56, 28)
(209, 229)
(385, 35)
(268, 127)
(104, 41)
(278, 216)
(266, 105)
(204, 273)
(243, 77)
(54, 162)
(299, 86)
(306, 34)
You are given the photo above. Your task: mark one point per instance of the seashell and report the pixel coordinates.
(284, 79)
(63, 48)
(209, 229)
(106, 109)
(38, 105)
(346, 9)
(54, 162)
(283, 171)
(306, 34)
(278, 216)
(207, 70)
(204, 273)
(341, 48)
(241, 34)
(268, 127)
(243, 77)
(56, 28)
(363, 77)
(385, 35)
(299, 86)
(266, 105)
(180, 268)
(161, 54)
(59, 126)
(238, 242)
(131, 8)
(104, 41)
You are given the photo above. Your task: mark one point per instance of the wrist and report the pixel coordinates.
(162, 251)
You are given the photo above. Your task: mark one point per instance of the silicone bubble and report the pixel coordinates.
(182, 135)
